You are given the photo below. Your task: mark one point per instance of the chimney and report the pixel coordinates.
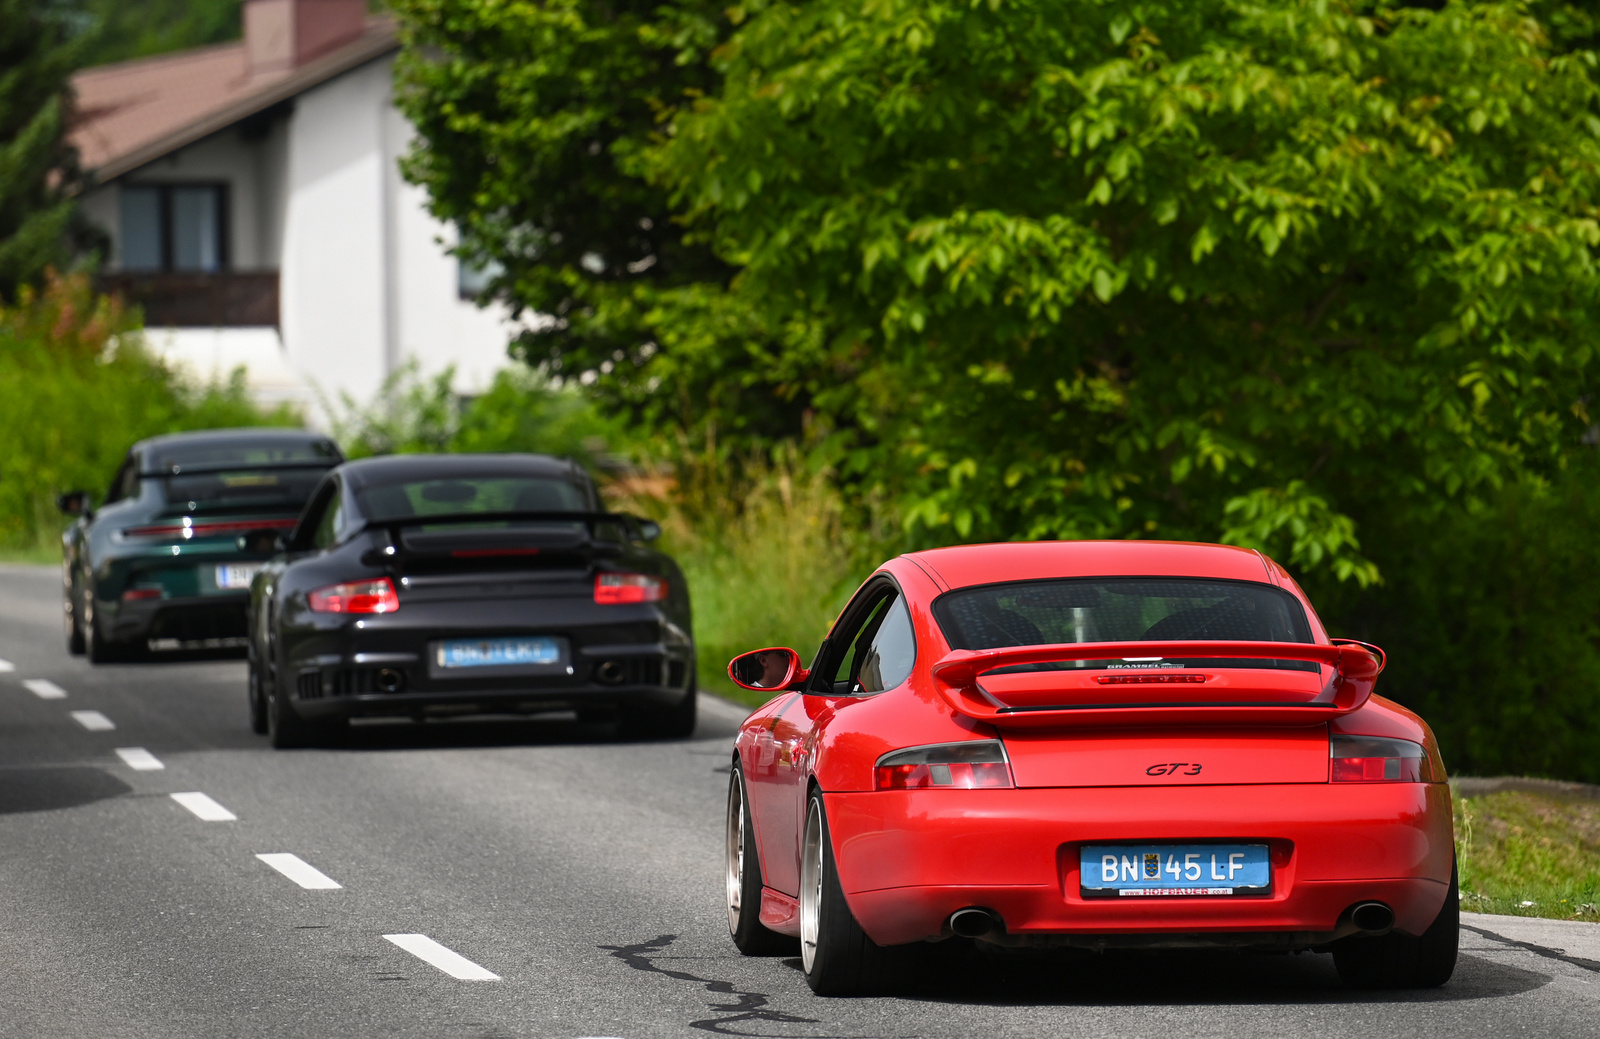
(281, 34)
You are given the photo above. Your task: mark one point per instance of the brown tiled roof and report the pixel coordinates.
(135, 112)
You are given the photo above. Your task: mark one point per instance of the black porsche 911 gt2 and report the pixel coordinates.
(430, 586)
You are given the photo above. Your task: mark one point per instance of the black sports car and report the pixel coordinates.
(437, 585)
(167, 561)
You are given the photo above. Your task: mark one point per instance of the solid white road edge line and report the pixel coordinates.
(44, 689)
(447, 960)
(202, 806)
(723, 709)
(139, 759)
(300, 871)
(6, 665)
(94, 721)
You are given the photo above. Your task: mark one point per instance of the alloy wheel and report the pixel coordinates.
(735, 852)
(811, 887)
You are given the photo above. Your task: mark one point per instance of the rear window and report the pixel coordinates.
(465, 495)
(1124, 609)
(274, 475)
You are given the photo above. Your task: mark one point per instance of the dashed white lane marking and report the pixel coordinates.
(202, 806)
(300, 871)
(45, 689)
(94, 721)
(447, 960)
(139, 759)
(6, 665)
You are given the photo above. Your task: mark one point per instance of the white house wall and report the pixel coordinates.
(333, 298)
(366, 283)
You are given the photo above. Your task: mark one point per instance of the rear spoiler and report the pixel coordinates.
(509, 539)
(1356, 667)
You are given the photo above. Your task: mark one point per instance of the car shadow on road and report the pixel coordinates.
(1179, 977)
(51, 788)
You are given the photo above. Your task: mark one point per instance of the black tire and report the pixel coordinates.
(657, 723)
(76, 644)
(101, 650)
(258, 701)
(836, 954)
(743, 880)
(285, 729)
(1397, 960)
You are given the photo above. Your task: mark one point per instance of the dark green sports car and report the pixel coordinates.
(166, 562)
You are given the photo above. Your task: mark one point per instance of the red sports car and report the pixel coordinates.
(1091, 744)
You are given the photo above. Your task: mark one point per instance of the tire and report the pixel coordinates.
(743, 879)
(101, 650)
(76, 644)
(837, 956)
(285, 729)
(1398, 960)
(656, 723)
(258, 702)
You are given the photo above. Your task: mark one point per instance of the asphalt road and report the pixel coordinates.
(578, 878)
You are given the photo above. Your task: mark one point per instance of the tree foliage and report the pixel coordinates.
(39, 47)
(1053, 267)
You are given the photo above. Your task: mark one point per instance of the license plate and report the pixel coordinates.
(498, 652)
(1167, 870)
(237, 575)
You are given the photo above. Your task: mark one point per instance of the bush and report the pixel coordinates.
(767, 550)
(76, 389)
(1493, 634)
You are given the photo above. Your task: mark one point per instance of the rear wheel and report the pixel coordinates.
(286, 729)
(744, 880)
(97, 648)
(75, 640)
(657, 723)
(258, 702)
(838, 957)
(1397, 960)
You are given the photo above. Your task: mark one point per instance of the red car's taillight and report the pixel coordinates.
(1375, 759)
(972, 765)
(611, 589)
(356, 597)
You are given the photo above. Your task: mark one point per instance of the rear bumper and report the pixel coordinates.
(197, 620)
(385, 665)
(908, 859)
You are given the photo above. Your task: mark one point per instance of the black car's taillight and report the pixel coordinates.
(355, 597)
(611, 589)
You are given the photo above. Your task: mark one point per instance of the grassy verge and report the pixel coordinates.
(41, 554)
(1529, 854)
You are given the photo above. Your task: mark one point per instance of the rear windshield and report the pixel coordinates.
(455, 496)
(1124, 609)
(275, 475)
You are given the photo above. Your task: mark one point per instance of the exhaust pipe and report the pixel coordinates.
(610, 672)
(1372, 917)
(388, 680)
(973, 922)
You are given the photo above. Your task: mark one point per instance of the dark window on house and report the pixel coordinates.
(174, 227)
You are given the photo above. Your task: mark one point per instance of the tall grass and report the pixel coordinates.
(767, 550)
(1527, 854)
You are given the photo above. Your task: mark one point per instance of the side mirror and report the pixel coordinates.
(766, 669)
(73, 503)
(260, 541)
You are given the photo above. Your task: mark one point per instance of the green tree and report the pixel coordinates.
(127, 29)
(39, 46)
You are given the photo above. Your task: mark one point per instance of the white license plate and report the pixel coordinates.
(237, 575)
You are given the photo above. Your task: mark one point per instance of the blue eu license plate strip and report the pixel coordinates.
(514, 652)
(1167, 870)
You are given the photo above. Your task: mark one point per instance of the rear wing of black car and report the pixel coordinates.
(597, 532)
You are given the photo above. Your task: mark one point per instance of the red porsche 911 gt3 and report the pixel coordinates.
(1087, 744)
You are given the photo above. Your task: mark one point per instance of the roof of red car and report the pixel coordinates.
(966, 565)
